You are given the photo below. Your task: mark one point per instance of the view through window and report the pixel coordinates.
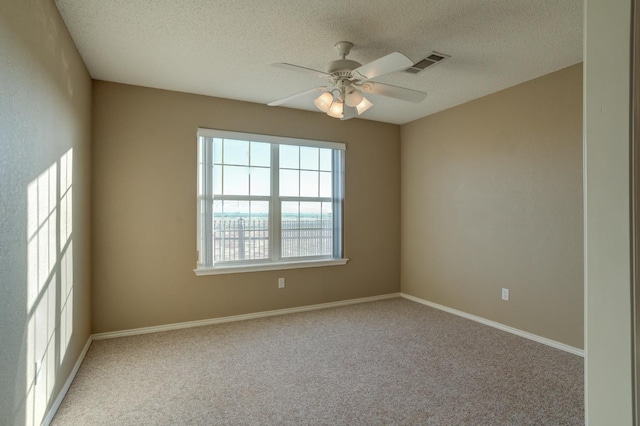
(265, 199)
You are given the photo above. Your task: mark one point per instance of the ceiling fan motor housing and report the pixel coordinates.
(341, 65)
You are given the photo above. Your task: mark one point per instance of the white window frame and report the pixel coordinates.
(205, 240)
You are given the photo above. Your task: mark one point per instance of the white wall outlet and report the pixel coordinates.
(280, 282)
(505, 294)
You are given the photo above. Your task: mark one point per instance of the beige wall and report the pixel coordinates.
(45, 112)
(492, 198)
(608, 348)
(144, 217)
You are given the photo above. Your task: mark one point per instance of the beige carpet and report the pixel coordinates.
(387, 362)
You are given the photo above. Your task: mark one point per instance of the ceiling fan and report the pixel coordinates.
(347, 81)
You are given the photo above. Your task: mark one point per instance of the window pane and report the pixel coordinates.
(241, 230)
(260, 154)
(309, 158)
(308, 234)
(260, 181)
(310, 209)
(234, 208)
(226, 218)
(290, 210)
(256, 231)
(289, 183)
(325, 159)
(236, 152)
(325, 184)
(327, 228)
(217, 180)
(290, 226)
(260, 209)
(218, 231)
(202, 205)
(236, 180)
(308, 184)
(327, 210)
(289, 157)
(217, 151)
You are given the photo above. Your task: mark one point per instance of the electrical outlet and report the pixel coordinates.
(505, 294)
(280, 282)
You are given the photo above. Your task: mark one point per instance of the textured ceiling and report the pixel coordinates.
(225, 48)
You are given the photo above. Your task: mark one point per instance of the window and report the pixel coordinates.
(268, 202)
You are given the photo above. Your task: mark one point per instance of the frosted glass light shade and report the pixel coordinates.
(335, 110)
(323, 102)
(353, 98)
(363, 106)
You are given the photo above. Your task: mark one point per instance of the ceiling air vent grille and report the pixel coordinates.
(434, 58)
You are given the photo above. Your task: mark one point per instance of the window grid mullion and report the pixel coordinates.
(318, 166)
(207, 182)
(275, 236)
(244, 197)
(318, 199)
(337, 180)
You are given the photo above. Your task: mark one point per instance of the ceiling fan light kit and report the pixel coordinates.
(324, 101)
(363, 106)
(343, 97)
(353, 97)
(333, 102)
(336, 110)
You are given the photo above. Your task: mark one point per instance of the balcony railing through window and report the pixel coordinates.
(244, 239)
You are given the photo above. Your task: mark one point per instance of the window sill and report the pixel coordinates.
(272, 266)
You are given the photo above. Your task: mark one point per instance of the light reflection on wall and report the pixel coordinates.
(49, 282)
(66, 251)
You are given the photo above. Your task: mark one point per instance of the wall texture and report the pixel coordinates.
(492, 198)
(45, 112)
(144, 210)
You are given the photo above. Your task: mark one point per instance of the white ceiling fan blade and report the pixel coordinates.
(298, 68)
(395, 92)
(297, 95)
(348, 112)
(392, 62)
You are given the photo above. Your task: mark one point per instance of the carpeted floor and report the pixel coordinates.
(388, 362)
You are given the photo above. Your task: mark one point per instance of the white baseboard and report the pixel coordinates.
(132, 332)
(63, 392)
(498, 325)
(189, 324)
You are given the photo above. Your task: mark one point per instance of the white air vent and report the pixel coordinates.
(430, 60)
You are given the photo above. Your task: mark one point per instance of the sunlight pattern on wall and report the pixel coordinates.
(49, 282)
(66, 266)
